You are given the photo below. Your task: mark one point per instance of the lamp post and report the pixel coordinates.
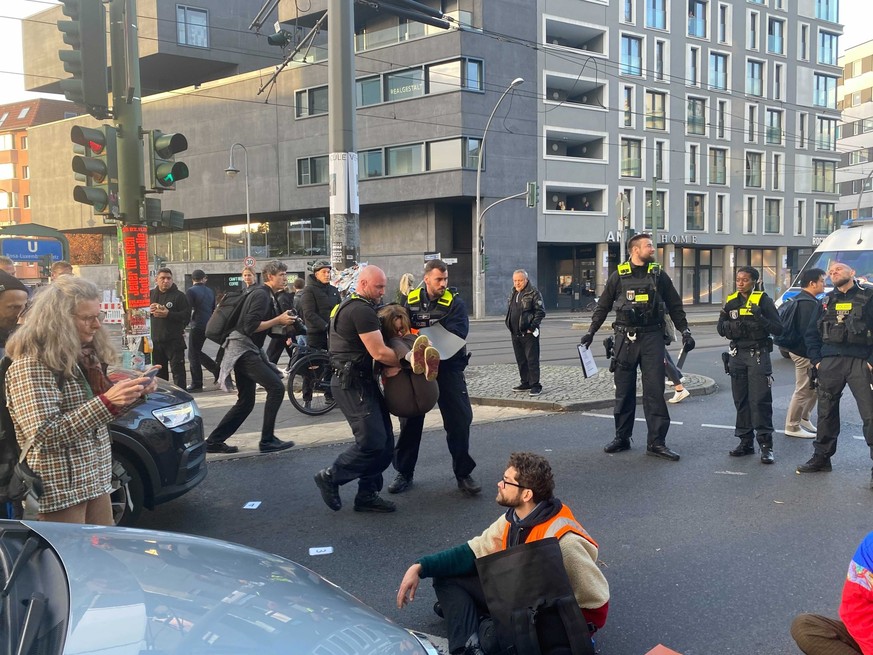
(231, 171)
(478, 243)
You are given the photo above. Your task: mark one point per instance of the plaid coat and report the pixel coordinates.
(71, 448)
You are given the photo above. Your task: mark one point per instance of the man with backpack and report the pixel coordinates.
(796, 315)
(202, 301)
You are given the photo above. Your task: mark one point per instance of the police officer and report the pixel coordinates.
(355, 342)
(640, 290)
(748, 318)
(840, 346)
(433, 302)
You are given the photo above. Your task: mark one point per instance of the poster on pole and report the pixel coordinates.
(134, 274)
(343, 179)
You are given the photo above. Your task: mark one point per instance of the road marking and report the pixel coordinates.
(642, 420)
(860, 437)
(714, 425)
(730, 473)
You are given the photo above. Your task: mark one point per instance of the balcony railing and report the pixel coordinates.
(697, 27)
(754, 86)
(774, 135)
(775, 44)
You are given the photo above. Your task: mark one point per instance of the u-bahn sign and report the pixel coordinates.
(30, 250)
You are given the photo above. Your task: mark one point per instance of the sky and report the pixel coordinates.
(852, 15)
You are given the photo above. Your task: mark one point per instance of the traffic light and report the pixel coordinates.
(96, 164)
(164, 170)
(86, 61)
(533, 194)
(45, 265)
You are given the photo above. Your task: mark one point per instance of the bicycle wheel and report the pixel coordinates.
(309, 385)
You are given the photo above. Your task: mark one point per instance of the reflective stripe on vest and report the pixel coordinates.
(557, 526)
(625, 268)
(754, 299)
(414, 297)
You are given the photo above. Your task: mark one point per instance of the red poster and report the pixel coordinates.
(136, 264)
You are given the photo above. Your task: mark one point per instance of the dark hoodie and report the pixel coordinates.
(172, 328)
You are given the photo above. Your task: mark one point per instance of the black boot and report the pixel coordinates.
(767, 454)
(746, 447)
(617, 445)
(817, 463)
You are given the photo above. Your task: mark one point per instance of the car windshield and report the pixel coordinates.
(860, 260)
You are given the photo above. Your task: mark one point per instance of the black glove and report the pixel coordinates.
(755, 310)
(687, 341)
(587, 340)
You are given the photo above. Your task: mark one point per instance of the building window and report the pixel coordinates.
(404, 160)
(753, 170)
(718, 71)
(656, 14)
(631, 158)
(693, 66)
(7, 171)
(776, 176)
(660, 57)
(824, 218)
(628, 102)
(825, 94)
(772, 216)
(692, 164)
(192, 26)
(370, 164)
(656, 116)
(25, 172)
(312, 170)
(752, 131)
(717, 166)
(859, 157)
(627, 11)
(631, 55)
(723, 23)
(826, 133)
(659, 160)
(660, 207)
(24, 143)
(799, 218)
(311, 102)
(827, 10)
(754, 77)
(368, 91)
(804, 42)
(695, 216)
(752, 34)
(452, 154)
(749, 225)
(721, 119)
(721, 223)
(827, 48)
(404, 84)
(823, 176)
(777, 81)
(697, 18)
(27, 202)
(6, 142)
(801, 130)
(775, 36)
(774, 127)
(696, 116)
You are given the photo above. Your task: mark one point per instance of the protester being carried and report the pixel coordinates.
(411, 388)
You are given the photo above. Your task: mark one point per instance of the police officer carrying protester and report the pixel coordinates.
(840, 347)
(524, 313)
(355, 343)
(640, 291)
(748, 318)
(431, 303)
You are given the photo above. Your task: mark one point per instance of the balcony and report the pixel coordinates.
(573, 91)
(577, 37)
(572, 145)
(574, 199)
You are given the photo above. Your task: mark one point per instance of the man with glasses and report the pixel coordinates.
(244, 355)
(170, 314)
(527, 491)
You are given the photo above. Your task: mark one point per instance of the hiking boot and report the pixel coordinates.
(767, 454)
(745, 448)
(418, 347)
(329, 489)
(374, 503)
(431, 363)
(522, 387)
(817, 463)
(617, 445)
(401, 483)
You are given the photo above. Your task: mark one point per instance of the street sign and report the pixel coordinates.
(450, 260)
(431, 255)
(249, 262)
(30, 250)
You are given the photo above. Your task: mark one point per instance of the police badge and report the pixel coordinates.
(631, 295)
(735, 314)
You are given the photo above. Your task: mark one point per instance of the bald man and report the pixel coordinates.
(356, 342)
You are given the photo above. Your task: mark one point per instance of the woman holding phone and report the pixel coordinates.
(61, 401)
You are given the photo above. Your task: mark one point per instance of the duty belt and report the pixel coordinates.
(624, 329)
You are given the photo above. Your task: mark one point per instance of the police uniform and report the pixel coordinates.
(354, 388)
(640, 295)
(841, 343)
(454, 403)
(748, 321)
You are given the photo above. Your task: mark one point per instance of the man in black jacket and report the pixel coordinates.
(317, 300)
(170, 314)
(524, 314)
(202, 301)
(808, 310)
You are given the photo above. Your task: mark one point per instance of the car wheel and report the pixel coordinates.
(127, 491)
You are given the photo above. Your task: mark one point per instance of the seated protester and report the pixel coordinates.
(820, 635)
(411, 389)
(527, 491)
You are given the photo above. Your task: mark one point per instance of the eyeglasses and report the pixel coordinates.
(511, 484)
(91, 319)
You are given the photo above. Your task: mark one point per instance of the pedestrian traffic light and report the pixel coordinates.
(533, 194)
(96, 164)
(86, 61)
(164, 170)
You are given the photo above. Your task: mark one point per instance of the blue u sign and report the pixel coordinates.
(30, 250)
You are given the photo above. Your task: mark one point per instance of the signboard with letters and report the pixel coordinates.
(31, 250)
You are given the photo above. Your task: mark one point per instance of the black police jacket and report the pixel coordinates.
(748, 321)
(448, 310)
(817, 348)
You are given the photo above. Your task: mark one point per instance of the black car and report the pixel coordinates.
(158, 452)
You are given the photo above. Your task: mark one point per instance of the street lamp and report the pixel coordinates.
(231, 171)
(478, 243)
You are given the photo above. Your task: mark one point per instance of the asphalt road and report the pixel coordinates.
(708, 555)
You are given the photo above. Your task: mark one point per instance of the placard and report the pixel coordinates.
(135, 247)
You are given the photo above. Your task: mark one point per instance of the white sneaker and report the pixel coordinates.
(807, 425)
(679, 396)
(799, 432)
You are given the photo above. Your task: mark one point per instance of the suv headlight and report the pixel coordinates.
(176, 415)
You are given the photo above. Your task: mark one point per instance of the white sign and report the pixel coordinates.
(249, 261)
(343, 182)
(320, 550)
(431, 255)
(450, 260)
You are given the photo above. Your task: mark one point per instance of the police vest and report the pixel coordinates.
(742, 324)
(348, 349)
(436, 311)
(843, 321)
(557, 526)
(638, 303)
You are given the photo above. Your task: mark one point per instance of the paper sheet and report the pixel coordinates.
(443, 340)
(589, 367)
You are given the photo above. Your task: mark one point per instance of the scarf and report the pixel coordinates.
(94, 370)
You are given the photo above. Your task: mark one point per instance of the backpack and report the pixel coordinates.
(225, 317)
(792, 335)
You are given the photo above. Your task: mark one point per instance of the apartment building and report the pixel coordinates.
(855, 139)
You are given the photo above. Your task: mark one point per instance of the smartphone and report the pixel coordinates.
(151, 373)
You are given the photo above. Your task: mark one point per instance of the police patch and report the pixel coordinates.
(631, 294)
(735, 314)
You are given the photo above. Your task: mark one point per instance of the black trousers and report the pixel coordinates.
(751, 379)
(834, 373)
(366, 459)
(454, 404)
(647, 354)
(276, 347)
(197, 359)
(462, 601)
(172, 353)
(249, 371)
(527, 355)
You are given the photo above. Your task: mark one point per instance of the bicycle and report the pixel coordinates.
(309, 382)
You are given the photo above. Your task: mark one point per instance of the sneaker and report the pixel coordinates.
(221, 447)
(816, 464)
(431, 363)
(536, 389)
(374, 503)
(401, 483)
(421, 344)
(807, 425)
(679, 396)
(799, 432)
(522, 387)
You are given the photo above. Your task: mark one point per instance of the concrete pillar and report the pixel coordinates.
(783, 273)
(728, 269)
(668, 263)
(601, 266)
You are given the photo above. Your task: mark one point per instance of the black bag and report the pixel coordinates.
(531, 602)
(792, 337)
(225, 317)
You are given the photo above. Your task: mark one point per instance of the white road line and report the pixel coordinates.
(714, 425)
(860, 437)
(729, 473)
(610, 416)
(642, 420)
